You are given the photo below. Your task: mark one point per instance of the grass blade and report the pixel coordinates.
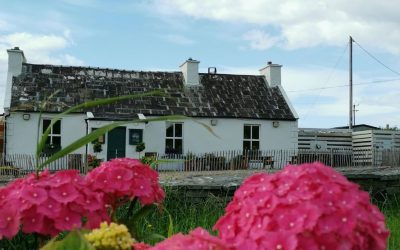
(86, 105)
(99, 132)
(80, 142)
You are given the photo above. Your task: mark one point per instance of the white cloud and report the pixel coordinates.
(305, 23)
(38, 48)
(259, 40)
(179, 39)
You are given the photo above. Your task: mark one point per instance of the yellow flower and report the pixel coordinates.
(110, 237)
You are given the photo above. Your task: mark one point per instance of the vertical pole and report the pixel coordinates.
(351, 83)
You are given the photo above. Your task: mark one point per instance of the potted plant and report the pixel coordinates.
(140, 147)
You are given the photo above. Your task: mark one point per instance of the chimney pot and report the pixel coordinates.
(212, 70)
(269, 62)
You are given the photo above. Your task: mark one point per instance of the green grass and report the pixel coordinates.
(188, 214)
(391, 208)
(393, 223)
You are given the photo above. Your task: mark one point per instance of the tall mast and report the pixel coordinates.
(351, 83)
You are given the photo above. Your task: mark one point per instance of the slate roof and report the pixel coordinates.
(218, 95)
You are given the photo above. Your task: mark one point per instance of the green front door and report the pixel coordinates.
(116, 143)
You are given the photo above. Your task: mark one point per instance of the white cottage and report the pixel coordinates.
(245, 111)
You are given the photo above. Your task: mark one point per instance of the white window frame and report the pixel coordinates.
(251, 139)
(51, 134)
(173, 137)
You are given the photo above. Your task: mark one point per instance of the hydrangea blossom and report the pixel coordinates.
(140, 246)
(49, 203)
(198, 239)
(310, 206)
(125, 177)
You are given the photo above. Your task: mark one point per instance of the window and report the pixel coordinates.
(251, 137)
(174, 138)
(101, 139)
(135, 136)
(53, 142)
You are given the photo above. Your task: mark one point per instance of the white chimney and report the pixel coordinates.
(15, 59)
(190, 70)
(272, 74)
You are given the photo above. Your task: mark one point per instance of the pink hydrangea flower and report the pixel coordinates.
(198, 239)
(140, 246)
(126, 178)
(9, 221)
(49, 203)
(310, 206)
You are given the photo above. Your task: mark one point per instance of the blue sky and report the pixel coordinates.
(308, 38)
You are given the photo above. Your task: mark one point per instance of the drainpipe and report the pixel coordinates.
(89, 115)
(6, 114)
(86, 146)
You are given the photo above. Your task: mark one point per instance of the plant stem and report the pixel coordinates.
(131, 207)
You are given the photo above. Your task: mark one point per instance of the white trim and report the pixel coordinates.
(288, 102)
(51, 134)
(173, 137)
(251, 139)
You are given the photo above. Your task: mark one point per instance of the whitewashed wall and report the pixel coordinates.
(130, 149)
(22, 134)
(197, 139)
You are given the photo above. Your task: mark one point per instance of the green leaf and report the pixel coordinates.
(74, 240)
(99, 132)
(44, 104)
(86, 105)
(80, 142)
(206, 127)
(170, 224)
(154, 237)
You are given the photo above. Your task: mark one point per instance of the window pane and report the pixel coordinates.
(255, 130)
(57, 128)
(170, 130)
(256, 145)
(57, 140)
(178, 146)
(169, 146)
(48, 140)
(46, 123)
(246, 145)
(246, 132)
(178, 129)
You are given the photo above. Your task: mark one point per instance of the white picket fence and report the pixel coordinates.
(22, 164)
(262, 159)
